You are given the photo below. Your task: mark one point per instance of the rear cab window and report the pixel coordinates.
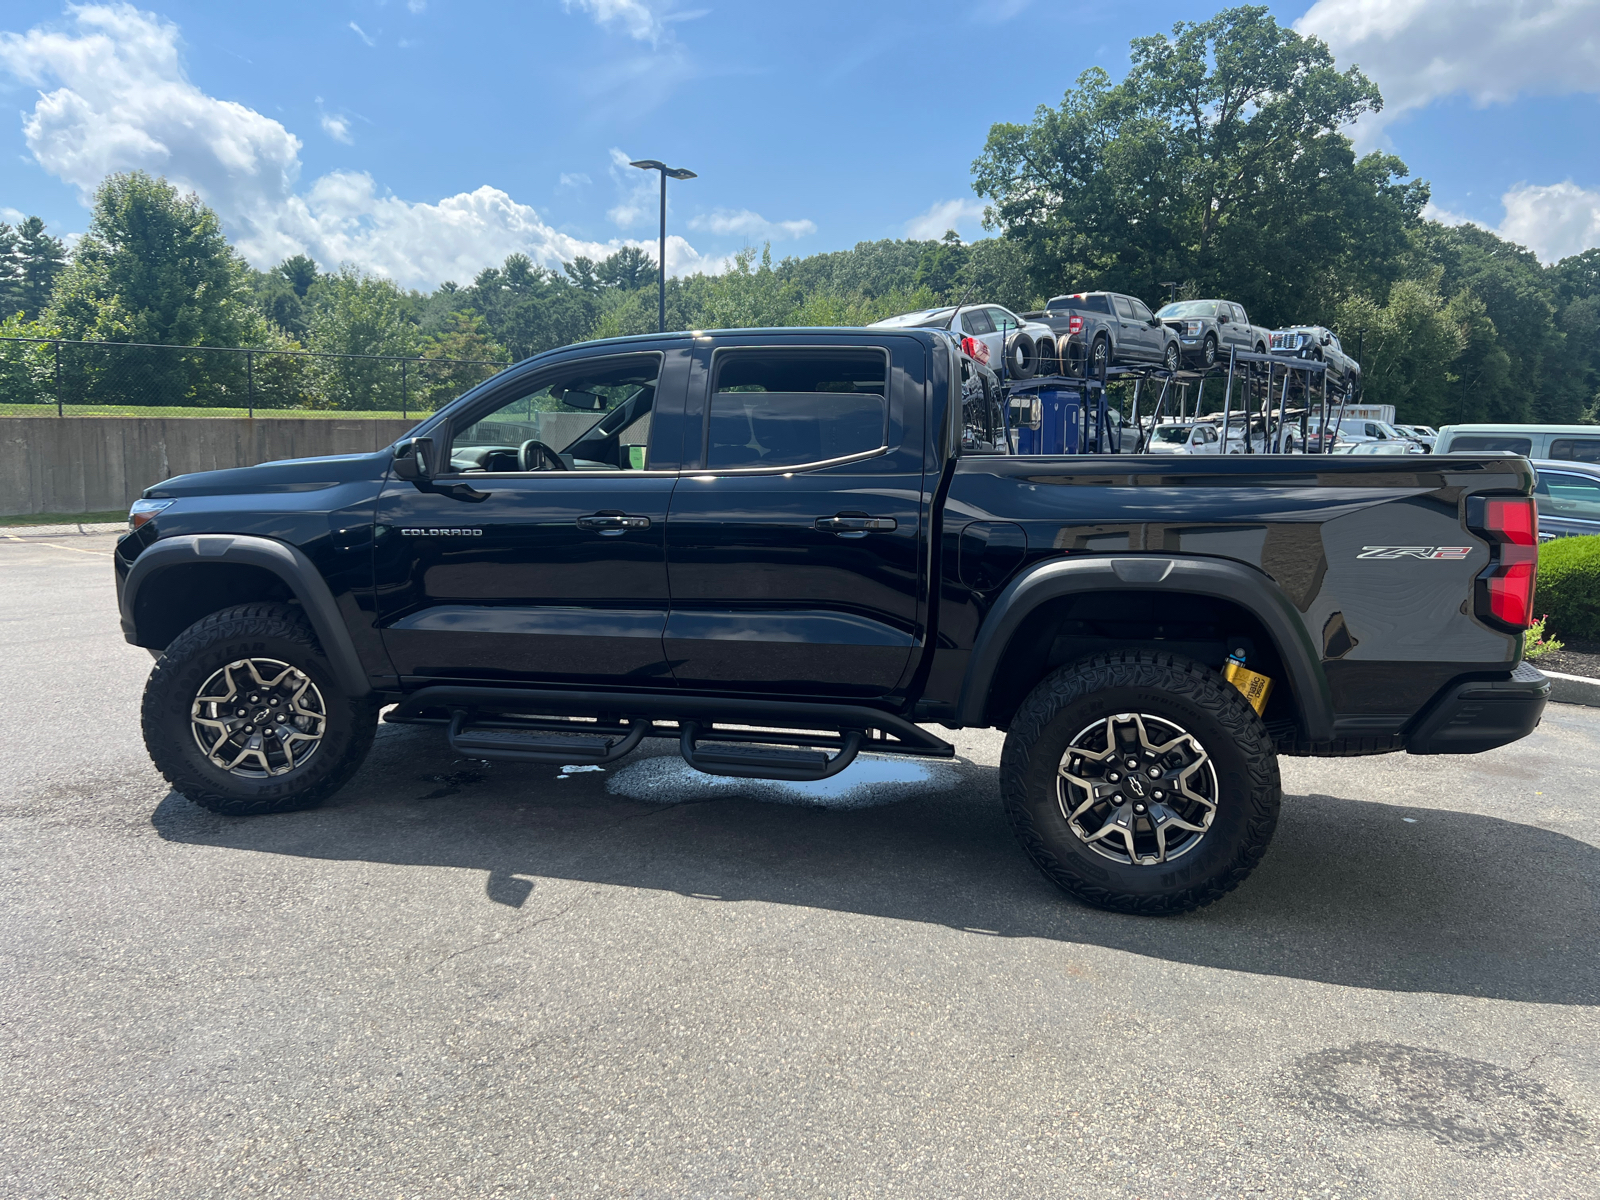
(1079, 302)
(1490, 443)
(782, 407)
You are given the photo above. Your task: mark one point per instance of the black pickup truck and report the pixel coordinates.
(771, 547)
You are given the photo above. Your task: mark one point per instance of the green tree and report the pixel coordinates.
(1411, 341)
(40, 260)
(365, 320)
(154, 267)
(453, 358)
(1219, 158)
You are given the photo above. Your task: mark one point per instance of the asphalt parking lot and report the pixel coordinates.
(493, 980)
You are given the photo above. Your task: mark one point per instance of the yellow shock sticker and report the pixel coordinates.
(1254, 686)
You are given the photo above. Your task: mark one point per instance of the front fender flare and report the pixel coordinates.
(287, 562)
(1220, 578)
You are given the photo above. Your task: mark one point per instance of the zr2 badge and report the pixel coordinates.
(1435, 553)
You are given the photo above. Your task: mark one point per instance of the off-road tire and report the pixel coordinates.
(1173, 688)
(251, 631)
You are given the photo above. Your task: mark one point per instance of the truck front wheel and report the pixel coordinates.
(243, 714)
(1140, 782)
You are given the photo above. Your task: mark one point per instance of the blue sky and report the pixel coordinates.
(426, 139)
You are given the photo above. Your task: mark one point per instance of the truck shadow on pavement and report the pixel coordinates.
(1350, 893)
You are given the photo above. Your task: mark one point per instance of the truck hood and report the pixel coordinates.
(286, 475)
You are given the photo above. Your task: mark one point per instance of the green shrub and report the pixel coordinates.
(1568, 587)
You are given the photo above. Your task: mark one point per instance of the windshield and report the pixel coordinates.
(1172, 434)
(915, 320)
(1189, 308)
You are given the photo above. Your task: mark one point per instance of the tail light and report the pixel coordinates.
(975, 349)
(1074, 324)
(1505, 588)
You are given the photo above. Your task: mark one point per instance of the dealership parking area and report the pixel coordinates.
(472, 979)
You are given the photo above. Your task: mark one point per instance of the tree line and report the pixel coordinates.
(1216, 167)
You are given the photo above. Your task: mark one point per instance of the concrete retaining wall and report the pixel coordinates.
(95, 464)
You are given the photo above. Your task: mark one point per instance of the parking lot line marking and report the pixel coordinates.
(74, 549)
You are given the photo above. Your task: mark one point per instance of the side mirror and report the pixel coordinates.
(1327, 339)
(414, 459)
(586, 401)
(1223, 318)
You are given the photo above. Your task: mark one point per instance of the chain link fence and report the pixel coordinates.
(61, 377)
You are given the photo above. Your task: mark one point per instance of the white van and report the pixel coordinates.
(1565, 443)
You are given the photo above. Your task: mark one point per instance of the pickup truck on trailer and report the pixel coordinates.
(771, 547)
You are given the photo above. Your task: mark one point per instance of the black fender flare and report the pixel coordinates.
(287, 562)
(1221, 578)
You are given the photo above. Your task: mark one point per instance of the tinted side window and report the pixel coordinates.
(1576, 449)
(1240, 315)
(785, 408)
(1124, 309)
(976, 321)
(1140, 312)
(1078, 303)
(1566, 495)
(1488, 443)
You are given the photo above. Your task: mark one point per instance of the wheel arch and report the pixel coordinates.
(1010, 635)
(179, 580)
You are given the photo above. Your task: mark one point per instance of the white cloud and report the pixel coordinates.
(744, 223)
(1554, 221)
(122, 102)
(11, 216)
(574, 179)
(638, 18)
(1432, 212)
(945, 215)
(641, 192)
(416, 6)
(337, 128)
(362, 34)
(1491, 50)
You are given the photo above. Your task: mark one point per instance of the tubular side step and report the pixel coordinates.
(509, 745)
(790, 766)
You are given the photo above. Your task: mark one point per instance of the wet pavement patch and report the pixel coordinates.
(1458, 1102)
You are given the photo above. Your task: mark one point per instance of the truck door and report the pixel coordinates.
(539, 557)
(1134, 340)
(795, 539)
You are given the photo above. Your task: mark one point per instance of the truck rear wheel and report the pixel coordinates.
(1140, 782)
(244, 715)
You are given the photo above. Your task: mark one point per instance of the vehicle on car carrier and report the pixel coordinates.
(771, 548)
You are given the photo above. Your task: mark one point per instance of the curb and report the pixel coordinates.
(1573, 689)
(22, 532)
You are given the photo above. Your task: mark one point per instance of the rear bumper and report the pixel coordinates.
(1480, 714)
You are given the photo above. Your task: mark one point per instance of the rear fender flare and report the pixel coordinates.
(287, 562)
(1222, 579)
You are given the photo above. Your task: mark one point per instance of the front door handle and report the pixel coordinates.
(612, 524)
(856, 526)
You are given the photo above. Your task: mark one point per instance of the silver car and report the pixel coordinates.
(995, 327)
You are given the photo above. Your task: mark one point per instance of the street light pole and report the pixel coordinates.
(651, 164)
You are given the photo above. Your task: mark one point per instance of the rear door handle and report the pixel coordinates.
(856, 526)
(612, 524)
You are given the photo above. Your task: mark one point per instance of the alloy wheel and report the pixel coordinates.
(1137, 789)
(258, 717)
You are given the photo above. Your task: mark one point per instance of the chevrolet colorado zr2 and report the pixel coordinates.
(772, 547)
